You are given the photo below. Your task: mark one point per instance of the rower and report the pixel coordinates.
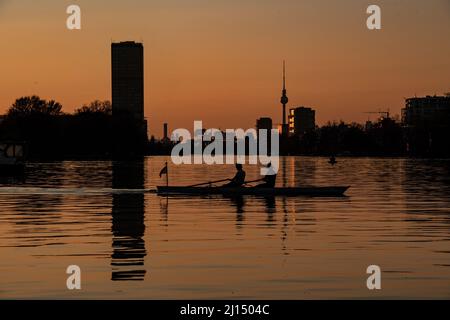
(238, 180)
(269, 179)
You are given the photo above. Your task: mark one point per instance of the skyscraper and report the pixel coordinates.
(130, 126)
(426, 122)
(165, 133)
(301, 120)
(264, 123)
(127, 60)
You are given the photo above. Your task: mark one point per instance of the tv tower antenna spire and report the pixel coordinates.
(284, 100)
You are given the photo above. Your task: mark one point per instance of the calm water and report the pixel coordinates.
(131, 244)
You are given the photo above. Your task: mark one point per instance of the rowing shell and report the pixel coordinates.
(299, 191)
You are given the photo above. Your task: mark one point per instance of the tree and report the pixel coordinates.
(33, 105)
(95, 107)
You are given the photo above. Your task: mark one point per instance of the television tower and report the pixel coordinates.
(284, 100)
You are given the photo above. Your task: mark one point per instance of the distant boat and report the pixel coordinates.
(11, 159)
(334, 191)
(332, 160)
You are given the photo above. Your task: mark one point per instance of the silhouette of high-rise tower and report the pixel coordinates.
(127, 64)
(284, 100)
(165, 137)
(128, 78)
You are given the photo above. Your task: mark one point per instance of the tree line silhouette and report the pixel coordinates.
(92, 132)
(49, 133)
(384, 138)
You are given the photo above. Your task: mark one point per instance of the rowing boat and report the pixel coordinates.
(296, 191)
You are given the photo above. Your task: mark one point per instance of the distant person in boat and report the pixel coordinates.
(238, 180)
(269, 180)
(332, 160)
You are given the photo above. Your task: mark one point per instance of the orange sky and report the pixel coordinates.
(220, 61)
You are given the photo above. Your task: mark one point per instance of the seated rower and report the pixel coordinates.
(269, 180)
(238, 180)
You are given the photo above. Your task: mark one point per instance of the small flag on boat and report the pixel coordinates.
(163, 171)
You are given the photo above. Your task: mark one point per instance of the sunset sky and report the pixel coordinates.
(220, 61)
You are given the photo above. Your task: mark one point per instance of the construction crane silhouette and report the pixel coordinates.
(384, 114)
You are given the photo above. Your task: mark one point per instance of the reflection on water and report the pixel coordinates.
(96, 215)
(128, 227)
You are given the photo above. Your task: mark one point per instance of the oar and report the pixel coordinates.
(209, 182)
(247, 182)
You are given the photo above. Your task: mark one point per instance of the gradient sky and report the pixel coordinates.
(220, 60)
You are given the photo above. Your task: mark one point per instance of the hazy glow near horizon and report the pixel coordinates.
(220, 61)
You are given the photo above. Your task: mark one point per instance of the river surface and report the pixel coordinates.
(137, 245)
